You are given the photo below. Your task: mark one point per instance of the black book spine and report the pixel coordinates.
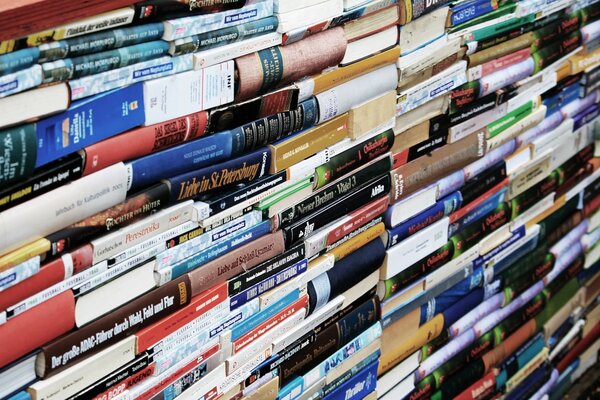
(44, 179)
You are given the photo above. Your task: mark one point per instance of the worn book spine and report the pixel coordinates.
(413, 9)
(265, 70)
(416, 174)
(227, 266)
(143, 311)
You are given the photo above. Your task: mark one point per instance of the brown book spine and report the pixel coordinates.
(416, 174)
(100, 334)
(502, 49)
(236, 262)
(265, 70)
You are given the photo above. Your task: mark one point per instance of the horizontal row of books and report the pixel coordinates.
(319, 199)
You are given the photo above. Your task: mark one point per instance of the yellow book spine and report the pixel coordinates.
(16, 257)
(358, 241)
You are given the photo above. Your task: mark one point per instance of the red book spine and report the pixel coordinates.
(50, 274)
(120, 387)
(358, 218)
(276, 319)
(36, 327)
(144, 140)
(199, 305)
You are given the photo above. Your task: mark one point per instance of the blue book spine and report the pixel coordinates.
(21, 80)
(18, 60)
(292, 390)
(100, 41)
(237, 171)
(180, 159)
(486, 207)
(218, 250)
(91, 64)
(442, 208)
(23, 395)
(265, 314)
(466, 11)
(89, 121)
(515, 255)
(357, 387)
(120, 77)
(237, 317)
(264, 286)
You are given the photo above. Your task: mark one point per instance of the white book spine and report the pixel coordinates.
(116, 270)
(120, 77)
(192, 91)
(114, 243)
(193, 246)
(155, 241)
(342, 98)
(21, 80)
(73, 380)
(434, 87)
(469, 126)
(232, 51)
(62, 207)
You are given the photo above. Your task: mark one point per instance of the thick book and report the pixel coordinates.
(265, 70)
(84, 123)
(144, 140)
(62, 207)
(244, 169)
(143, 311)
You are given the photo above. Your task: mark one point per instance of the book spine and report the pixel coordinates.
(107, 330)
(191, 263)
(180, 249)
(147, 139)
(414, 175)
(19, 273)
(305, 227)
(224, 36)
(252, 335)
(335, 190)
(269, 283)
(126, 213)
(78, 67)
(121, 77)
(120, 110)
(63, 206)
(436, 86)
(197, 24)
(464, 12)
(473, 211)
(234, 50)
(239, 170)
(21, 80)
(328, 47)
(359, 386)
(42, 181)
(353, 158)
(275, 127)
(179, 160)
(342, 232)
(110, 246)
(99, 41)
(444, 207)
(18, 60)
(230, 265)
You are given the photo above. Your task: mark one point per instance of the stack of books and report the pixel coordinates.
(322, 199)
